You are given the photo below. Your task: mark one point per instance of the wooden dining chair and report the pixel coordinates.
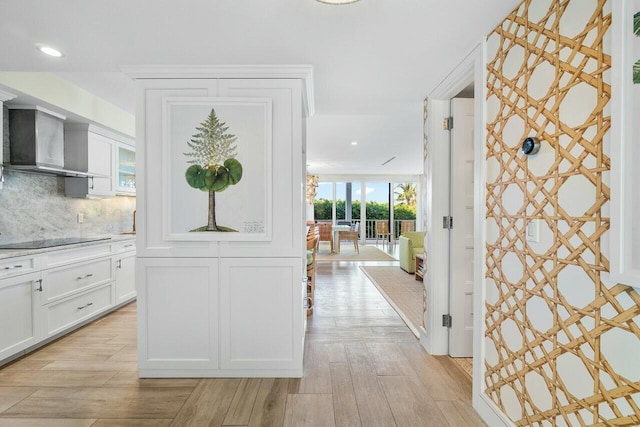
(351, 235)
(382, 231)
(407, 225)
(326, 232)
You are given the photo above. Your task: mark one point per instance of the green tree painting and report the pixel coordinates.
(636, 31)
(214, 166)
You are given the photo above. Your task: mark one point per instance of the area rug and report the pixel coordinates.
(402, 291)
(347, 253)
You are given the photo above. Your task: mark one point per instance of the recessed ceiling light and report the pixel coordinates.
(354, 142)
(48, 50)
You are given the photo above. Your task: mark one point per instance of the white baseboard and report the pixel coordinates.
(490, 413)
(424, 342)
(218, 373)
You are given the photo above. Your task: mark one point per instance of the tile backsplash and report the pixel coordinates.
(34, 207)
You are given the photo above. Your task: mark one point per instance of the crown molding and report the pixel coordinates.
(302, 72)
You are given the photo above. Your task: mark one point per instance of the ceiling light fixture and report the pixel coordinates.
(337, 1)
(354, 143)
(48, 50)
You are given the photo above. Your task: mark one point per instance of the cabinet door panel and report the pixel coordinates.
(126, 170)
(125, 278)
(149, 178)
(20, 328)
(288, 177)
(261, 314)
(178, 326)
(101, 162)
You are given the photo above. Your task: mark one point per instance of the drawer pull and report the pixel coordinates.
(13, 266)
(39, 282)
(129, 245)
(119, 265)
(85, 306)
(85, 276)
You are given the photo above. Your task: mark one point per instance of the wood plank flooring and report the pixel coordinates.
(362, 367)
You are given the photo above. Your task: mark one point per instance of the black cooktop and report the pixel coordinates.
(50, 243)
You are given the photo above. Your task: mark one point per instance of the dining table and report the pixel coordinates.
(336, 229)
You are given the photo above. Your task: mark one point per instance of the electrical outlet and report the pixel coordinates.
(80, 218)
(533, 231)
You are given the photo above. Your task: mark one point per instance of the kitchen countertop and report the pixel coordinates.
(113, 238)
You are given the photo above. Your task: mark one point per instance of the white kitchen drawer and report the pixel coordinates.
(126, 246)
(68, 256)
(11, 267)
(64, 281)
(71, 311)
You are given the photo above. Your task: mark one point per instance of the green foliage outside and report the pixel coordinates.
(406, 194)
(375, 210)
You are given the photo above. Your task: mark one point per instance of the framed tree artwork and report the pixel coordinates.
(217, 160)
(625, 144)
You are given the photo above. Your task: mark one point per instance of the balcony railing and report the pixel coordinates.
(399, 226)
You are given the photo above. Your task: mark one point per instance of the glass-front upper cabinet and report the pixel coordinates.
(126, 176)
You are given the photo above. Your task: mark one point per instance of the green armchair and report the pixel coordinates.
(410, 243)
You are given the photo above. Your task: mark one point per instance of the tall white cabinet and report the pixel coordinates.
(93, 149)
(222, 308)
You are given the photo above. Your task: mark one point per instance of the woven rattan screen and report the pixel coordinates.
(561, 347)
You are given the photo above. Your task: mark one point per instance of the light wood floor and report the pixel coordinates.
(363, 367)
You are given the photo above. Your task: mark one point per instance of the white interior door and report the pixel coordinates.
(462, 233)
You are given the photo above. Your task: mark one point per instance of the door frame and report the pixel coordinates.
(437, 171)
(435, 338)
(458, 236)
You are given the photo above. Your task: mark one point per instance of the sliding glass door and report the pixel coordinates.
(383, 209)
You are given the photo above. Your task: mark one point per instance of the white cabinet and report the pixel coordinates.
(233, 317)
(252, 291)
(126, 170)
(91, 149)
(45, 295)
(64, 281)
(78, 308)
(228, 308)
(178, 321)
(125, 277)
(19, 314)
(20, 265)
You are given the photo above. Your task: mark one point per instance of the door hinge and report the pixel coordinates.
(447, 222)
(446, 320)
(447, 123)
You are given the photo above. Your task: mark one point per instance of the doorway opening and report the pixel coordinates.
(454, 201)
(379, 209)
(461, 236)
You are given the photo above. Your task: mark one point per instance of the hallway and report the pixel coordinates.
(362, 367)
(378, 372)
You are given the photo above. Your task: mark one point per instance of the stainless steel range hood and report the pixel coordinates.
(36, 142)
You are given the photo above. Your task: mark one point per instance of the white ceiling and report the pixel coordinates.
(374, 61)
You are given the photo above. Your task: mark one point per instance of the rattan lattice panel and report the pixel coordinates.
(553, 329)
